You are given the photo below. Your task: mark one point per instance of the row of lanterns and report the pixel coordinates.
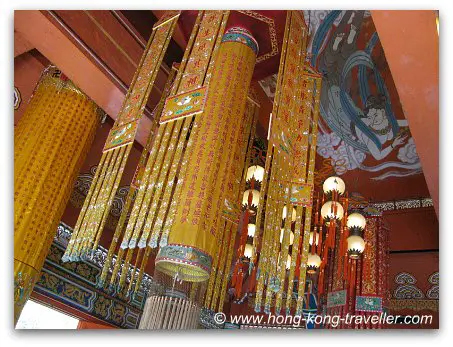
(331, 212)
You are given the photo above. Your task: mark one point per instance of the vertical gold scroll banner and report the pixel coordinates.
(51, 141)
(92, 218)
(218, 279)
(288, 179)
(198, 227)
(135, 184)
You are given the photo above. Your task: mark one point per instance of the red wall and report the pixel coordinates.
(413, 229)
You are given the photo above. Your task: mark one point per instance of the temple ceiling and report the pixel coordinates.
(363, 133)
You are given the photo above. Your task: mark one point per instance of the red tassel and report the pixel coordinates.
(297, 269)
(352, 281)
(235, 274)
(321, 282)
(252, 282)
(319, 242)
(326, 253)
(239, 285)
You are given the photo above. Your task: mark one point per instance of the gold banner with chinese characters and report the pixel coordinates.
(154, 207)
(96, 207)
(218, 279)
(198, 229)
(51, 141)
(286, 192)
(135, 184)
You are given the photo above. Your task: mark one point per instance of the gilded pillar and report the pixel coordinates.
(51, 141)
(208, 185)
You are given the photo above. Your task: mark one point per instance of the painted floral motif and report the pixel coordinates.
(102, 305)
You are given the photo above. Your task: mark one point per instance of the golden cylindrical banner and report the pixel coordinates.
(51, 141)
(198, 224)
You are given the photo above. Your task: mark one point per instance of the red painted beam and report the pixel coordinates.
(37, 29)
(411, 46)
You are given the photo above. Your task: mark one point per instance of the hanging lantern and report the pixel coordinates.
(313, 263)
(332, 210)
(310, 241)
(255, 197)
(291, 237)
(256, 172)
(251, 228)
(334, 184)
(356, 246)
(288, 262)
(248, 251)
(293, 214)
(356, 223)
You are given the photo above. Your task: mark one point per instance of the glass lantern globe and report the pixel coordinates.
(328, 213)
(334, 183)
(356, 220)
(255, 197)
(255, 171)
(313, 263)
(251, 228)
(291, 236)
(356, 246)
(288, 262)
(285, 213)
(310, 240)
(248, 251)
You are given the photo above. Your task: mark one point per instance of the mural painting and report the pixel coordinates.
(362, 125)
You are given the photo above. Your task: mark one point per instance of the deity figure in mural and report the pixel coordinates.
(356, 132)
(376, 120)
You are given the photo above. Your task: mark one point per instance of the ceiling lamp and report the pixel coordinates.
(313, 263)
(256, 172)
(334, 184)
(310, 241)
(356, 246)
(332, 210)
(288, 262)
(251, 228)
(255, 197)
(293, 215)
(291, 237)
(248, 251)
(356, 223)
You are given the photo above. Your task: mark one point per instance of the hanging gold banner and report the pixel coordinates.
(96, 207)
(288, 180)
(154, 207)
(197, 230)
(51, 141)
(184, 105)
